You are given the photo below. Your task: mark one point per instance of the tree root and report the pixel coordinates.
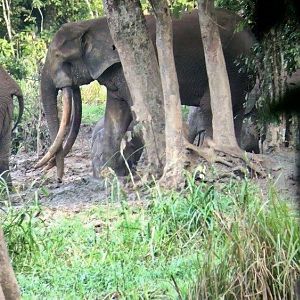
(212, 153)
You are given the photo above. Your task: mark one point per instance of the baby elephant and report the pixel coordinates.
(200, 125)
(8, 89)
(132, 151)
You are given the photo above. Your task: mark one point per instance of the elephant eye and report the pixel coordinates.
(113, 47)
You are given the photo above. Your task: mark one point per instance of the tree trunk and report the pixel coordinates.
(6, 14)
(221, 106)
(128, 29)
(8, 283)
(175, 154)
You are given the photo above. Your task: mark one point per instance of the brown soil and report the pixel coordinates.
(79, 189)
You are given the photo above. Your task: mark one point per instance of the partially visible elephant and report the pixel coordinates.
(200, 125)
(132, 152)
(84, 51)
(8, 89)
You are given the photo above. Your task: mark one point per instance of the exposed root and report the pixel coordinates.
(251, 161)
(205, 152)
(213, 153)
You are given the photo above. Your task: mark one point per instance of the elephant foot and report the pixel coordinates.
(101, 169)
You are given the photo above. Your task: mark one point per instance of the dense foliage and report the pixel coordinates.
(26, 28)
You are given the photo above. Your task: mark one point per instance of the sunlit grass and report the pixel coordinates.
(93, 102)
(92, 113)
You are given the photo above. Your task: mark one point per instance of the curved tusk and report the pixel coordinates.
(74, 129)
(65, 119)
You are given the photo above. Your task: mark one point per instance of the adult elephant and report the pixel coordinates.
(8, 89)
(84, 51)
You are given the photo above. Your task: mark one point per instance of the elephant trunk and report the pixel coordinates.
(49, 101)
(21, 110)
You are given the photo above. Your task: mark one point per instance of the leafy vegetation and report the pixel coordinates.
(93, 98)
(201, 243)
(91, 113)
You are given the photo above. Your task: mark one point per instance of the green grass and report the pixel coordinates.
(185, 112)
(91, 113)
(201, 243)
(93, 102)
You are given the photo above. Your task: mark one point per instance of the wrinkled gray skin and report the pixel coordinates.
(132, 151)
(200, 126)
(82, 52)
(8, 89)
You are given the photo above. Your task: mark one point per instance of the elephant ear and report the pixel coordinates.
(98, 52)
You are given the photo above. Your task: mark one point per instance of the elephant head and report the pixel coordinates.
(79, 53)
(8, 89)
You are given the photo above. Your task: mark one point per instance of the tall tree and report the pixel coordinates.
(224, 138)
(128, 29)
(220, 95)
(175, 154)
(6, 7)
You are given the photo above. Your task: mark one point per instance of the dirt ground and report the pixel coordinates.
(79, 189)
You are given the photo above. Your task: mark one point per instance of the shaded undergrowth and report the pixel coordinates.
(201, 243)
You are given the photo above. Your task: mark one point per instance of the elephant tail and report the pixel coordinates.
(21, 110)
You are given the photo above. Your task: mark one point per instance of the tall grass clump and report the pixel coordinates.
(253, 250)
(205, 242)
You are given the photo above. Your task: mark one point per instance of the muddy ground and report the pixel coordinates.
(79, 189)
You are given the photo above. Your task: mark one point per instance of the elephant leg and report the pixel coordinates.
(5, 143)
(97, 147)
(117, 119)
(200, 119)
(132, 152)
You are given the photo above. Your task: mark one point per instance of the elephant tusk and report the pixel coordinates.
(65, 119)
(74, 129)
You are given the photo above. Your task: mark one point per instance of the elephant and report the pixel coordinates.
(8, 89)
(81, 52)
(132, 151)
(199, 122)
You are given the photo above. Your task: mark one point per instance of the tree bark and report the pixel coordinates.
(175, 146)
(128, 29)
(8, 283)
(6, 14)
(221, 106)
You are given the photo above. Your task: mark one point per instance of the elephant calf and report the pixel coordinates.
(200, 123)
(132, 151)
(8, 89)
